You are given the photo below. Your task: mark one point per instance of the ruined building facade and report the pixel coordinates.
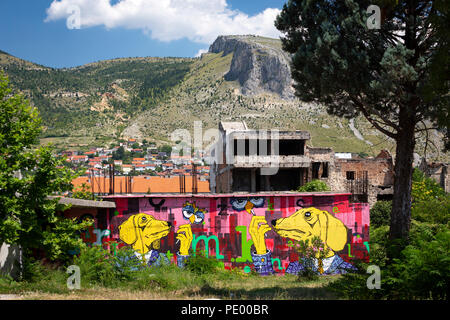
(257, 161)
(438, 171)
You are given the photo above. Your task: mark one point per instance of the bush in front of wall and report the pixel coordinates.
(314, 186)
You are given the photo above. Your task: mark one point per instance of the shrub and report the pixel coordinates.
(433, 210)
(96, 266)
(125, 263)
(308, 252)
(33, 270)
(380, 214)
(423, 272)
(314, 186)
(379, 239)
(424, 189)
(200, 263)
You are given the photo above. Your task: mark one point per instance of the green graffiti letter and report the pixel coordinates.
(280, 266)
(196, 240)
(246, 245)
(367, 246)
(349, 250)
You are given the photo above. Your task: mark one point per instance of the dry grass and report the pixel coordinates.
(254, 288)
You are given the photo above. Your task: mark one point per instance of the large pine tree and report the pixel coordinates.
(383, 74)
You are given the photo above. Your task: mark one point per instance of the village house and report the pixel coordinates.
(127, 168)
(78, 159)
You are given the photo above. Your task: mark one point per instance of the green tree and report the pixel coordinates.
(379, 73)
(83, 192)
(119, 154)
(439, 80)
(28, 176)
(166, 148)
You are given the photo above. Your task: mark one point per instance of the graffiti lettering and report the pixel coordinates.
(158, 205)
(223, 209)
(270, 205)
(245, 244)
(367, 246)
(100, 234)
(204, 238)
(280, 266)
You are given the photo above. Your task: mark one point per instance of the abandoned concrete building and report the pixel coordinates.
(258, 160)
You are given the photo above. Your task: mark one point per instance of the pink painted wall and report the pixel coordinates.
(230, 227)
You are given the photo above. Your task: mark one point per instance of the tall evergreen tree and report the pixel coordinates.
(380, 73)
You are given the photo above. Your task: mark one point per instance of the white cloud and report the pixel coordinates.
(167, 20)
(200, 52)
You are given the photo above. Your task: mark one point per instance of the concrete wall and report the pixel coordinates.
(10, 260)
(225, 228)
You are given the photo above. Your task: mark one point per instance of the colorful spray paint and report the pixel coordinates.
(250, 232)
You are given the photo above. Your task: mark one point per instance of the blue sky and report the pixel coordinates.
(37, 30)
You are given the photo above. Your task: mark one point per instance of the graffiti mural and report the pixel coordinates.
(248, 232)
(93, 235)
(303, 225)
(193, 214)
(247, 204)
(144, 233)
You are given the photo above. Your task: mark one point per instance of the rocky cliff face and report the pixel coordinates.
(259, 64)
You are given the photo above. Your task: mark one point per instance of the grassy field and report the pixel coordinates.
(172, 284)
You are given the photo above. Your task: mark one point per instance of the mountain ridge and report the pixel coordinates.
(239, 78)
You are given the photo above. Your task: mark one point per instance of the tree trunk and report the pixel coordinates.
(401, 204)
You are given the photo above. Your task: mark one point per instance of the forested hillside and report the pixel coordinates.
(97, 99)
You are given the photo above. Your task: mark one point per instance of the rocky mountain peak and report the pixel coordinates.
(259, 64)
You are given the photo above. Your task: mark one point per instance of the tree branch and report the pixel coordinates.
(367, 115)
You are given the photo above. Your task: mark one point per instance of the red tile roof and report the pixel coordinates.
(142, 184)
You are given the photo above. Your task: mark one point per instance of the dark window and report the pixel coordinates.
(251, 147)
(240, 142)
(242, 180)
(315, 170)
(285, 179)
(291, 147)
(350, 175)
(325, 170)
